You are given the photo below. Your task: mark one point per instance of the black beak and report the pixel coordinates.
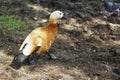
(64, 17)
(18, 61)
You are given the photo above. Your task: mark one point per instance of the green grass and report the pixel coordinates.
(10, 24)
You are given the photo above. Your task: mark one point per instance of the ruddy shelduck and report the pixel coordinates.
(40, 40)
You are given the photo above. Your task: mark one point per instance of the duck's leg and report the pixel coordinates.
(51, 56)
(30, 59)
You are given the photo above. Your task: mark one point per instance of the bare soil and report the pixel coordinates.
(87, 44)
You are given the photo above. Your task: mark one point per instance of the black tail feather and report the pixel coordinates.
(18, 61)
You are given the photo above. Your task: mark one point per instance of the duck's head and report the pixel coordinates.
(56, 16)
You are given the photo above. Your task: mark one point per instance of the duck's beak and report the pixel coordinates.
(64, 17)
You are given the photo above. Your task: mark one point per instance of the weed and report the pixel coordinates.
(12, 25)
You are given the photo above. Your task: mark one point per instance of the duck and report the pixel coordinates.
(40, 39)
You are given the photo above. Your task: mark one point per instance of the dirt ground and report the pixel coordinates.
(87, 44)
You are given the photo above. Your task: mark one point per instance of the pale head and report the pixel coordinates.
(56, 16)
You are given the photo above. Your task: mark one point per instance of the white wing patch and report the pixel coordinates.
(28, 49)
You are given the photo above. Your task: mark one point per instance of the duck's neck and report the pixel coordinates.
(52, 25)
(52, 22)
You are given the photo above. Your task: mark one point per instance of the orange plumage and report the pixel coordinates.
(43, 37)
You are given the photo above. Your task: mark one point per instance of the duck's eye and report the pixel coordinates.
(60, 13)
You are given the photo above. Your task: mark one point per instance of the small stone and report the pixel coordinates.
(35, 18)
